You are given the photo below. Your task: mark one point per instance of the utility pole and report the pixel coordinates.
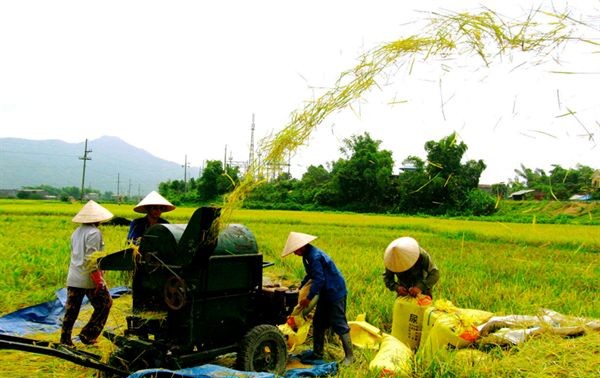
(225, 159)
(84, 158)
(201, 170)
(185, 167)
(251, 156)
(118, 187)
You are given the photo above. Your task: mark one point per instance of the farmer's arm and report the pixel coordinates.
(389, 280)
(315, 268)
(431, 274)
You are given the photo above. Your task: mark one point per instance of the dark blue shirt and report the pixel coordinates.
(138, 227)
(327, 280)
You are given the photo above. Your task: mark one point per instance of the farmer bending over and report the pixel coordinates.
(409, 270)
(328, 289)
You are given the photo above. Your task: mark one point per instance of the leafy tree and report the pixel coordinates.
(278, 193)
(216, 181)
(559, 183)
(362, 181)
(208, 188)
(443, 184)
(313, 184)
(409, 186)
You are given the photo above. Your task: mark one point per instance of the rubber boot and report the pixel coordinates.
(318, 346)
(347, 345)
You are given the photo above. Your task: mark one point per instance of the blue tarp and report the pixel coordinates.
(213, 371)
(44, 317)
(47, 318)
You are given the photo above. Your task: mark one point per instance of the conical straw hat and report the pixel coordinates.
(153, 198)
(91, 212)
(295, 241)
(401, 254)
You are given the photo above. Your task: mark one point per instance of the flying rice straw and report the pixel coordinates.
(486, 35)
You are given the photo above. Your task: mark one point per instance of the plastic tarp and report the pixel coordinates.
(204, 371)
(45, 317)
(210, 371)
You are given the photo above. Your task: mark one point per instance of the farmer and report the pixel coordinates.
(328, 289)
(153, 205)
(84, 279)
(409, 270)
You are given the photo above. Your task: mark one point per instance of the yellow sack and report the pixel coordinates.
(294, 338)
(407, 319)
(302, 294)
(445, 324)
(363, 334)
(394, 358)
(298, 333)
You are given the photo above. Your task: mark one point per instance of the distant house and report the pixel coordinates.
(521, 194)
(32, 194)
(580, 197)
(596, 179)
(8, 193)
(486, 188)
(92, 196)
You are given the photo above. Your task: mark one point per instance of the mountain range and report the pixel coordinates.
(113, 165)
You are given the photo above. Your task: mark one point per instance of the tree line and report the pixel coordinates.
(363, 180)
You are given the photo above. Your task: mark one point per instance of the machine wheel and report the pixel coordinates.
(263, 348)
(175, 293)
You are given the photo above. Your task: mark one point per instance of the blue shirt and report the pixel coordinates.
(327, 280)
(138, 227)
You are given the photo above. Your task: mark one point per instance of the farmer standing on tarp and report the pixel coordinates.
(328, 289)
(409, 270)
(84, 279)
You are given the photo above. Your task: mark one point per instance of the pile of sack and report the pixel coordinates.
(424, 329)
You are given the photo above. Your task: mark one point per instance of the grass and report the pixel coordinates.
(505, 268)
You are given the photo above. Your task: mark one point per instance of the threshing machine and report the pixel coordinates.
(197, 294)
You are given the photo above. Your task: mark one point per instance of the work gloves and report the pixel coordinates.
(96, 276)
(403, 291)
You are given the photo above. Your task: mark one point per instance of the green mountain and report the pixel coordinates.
(113, 166)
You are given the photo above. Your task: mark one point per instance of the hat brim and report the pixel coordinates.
(92, 212)
(153, 199)
(295, 241)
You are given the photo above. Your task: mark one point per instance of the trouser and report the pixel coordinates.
(328, 315)
(100, 300)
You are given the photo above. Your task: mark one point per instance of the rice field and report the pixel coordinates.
(504, 268)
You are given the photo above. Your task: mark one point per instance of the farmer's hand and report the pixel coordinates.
(291, 322)
(96, 276)
(304, 302)
(401, 291)
(414, 291)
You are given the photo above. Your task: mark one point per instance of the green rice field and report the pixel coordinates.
(504, 268)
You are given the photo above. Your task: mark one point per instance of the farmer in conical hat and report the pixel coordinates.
(327, 289)
(153, 205)
(409, 270)
(84, 279)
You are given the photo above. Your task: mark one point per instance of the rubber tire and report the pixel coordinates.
(263, 348)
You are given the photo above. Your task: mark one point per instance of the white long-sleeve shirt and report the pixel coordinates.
(85, 240)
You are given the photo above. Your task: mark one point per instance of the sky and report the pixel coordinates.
(183, 80)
